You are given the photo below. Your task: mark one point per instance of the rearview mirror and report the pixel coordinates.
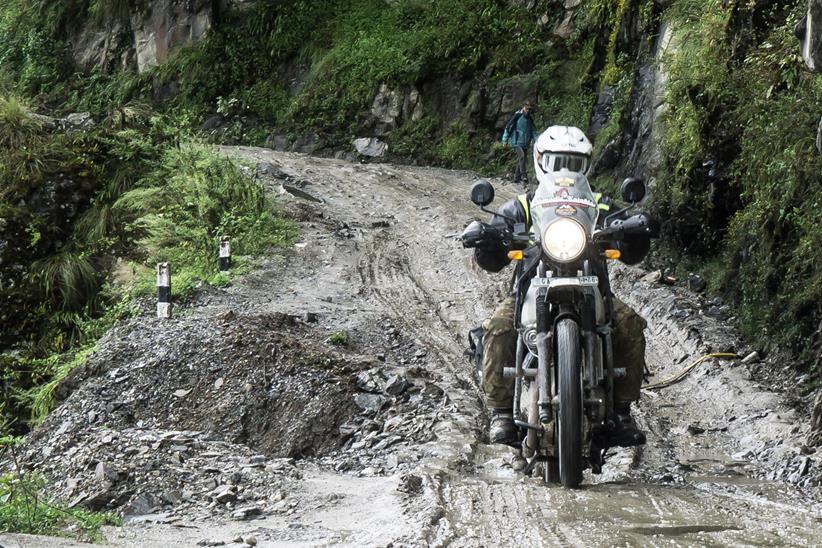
(482, 193)
(633, 190)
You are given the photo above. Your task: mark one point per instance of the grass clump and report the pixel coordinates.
(339, 338)
(24, 509)
(191, 199)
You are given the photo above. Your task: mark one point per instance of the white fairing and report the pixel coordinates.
(561, 147)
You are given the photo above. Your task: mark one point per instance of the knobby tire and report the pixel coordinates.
(570, 403)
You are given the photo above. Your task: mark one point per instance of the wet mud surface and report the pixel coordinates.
(382, 441)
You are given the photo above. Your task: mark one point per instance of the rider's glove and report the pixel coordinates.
(481, 235)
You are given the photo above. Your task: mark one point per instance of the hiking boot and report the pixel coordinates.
(502, 428)
(626, 433)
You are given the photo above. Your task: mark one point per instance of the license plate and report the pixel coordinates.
(582, 281)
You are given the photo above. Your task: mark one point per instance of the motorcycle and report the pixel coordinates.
(564, 368)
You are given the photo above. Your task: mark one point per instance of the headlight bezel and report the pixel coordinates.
(554, 254)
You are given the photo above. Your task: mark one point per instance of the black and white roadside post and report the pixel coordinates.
(163, 290)
(225, 253)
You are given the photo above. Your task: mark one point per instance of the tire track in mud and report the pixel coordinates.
(475, 498)
(477, 510)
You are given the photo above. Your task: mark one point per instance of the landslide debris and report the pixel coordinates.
(193, 417)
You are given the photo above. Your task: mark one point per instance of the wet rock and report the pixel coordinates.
(224, 494)
(810, 37)
(211, 542)
(371, 147)
(251, 540)
(103, 472)
(696, 283)
(750, 358)
(246, 512)
(601, 114)
(268, 169)
(300, 193)
(307, 144)
(396, 385)
(370, 403)
(695, 429)
(410, 483)
(142, 505)
(310, 317)
(370, 381)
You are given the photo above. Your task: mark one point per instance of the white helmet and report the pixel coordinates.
(562, 147)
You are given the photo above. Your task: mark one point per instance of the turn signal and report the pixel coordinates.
(516, 255)
(613, 254)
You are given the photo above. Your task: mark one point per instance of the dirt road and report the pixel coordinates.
(377, 259)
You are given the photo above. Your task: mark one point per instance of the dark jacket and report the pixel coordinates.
(494, 258)
(522, 133)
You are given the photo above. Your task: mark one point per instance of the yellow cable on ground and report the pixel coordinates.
(684, 373)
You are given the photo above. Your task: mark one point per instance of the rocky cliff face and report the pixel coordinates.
(809, 32)
(148, 35)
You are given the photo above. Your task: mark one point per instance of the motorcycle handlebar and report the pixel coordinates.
(636, 225)
(479, 234)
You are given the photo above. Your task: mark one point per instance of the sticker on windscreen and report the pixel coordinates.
(565, 181)
(566, 211)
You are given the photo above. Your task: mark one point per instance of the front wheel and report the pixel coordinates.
(570, 403)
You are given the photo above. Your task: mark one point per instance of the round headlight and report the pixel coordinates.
(564, 240)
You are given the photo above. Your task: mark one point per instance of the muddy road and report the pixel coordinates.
(377, 259)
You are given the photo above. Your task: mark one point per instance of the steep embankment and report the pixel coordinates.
(173, 422)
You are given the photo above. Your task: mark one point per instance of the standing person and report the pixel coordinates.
(521, 132)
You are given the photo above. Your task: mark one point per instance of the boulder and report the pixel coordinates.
(307, 144)
(809, 32)
(819, 137)
(168, 25)
(95, 48)
(147, 35)
(815, 435)
(601, 114)
(386, 109)
(508, 96)
(412, 109)
(372, 147)
(565, 28)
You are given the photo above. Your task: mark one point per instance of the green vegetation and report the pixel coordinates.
(302, 67)
(339, 338)
(24, 509)
(737, 190)
(751, 108)
(86, 215)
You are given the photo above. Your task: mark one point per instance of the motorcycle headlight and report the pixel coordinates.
(564, 240)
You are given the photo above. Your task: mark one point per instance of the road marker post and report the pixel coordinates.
(163, 290)
(225, 253)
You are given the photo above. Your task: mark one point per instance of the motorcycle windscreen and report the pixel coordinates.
(564, 194)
